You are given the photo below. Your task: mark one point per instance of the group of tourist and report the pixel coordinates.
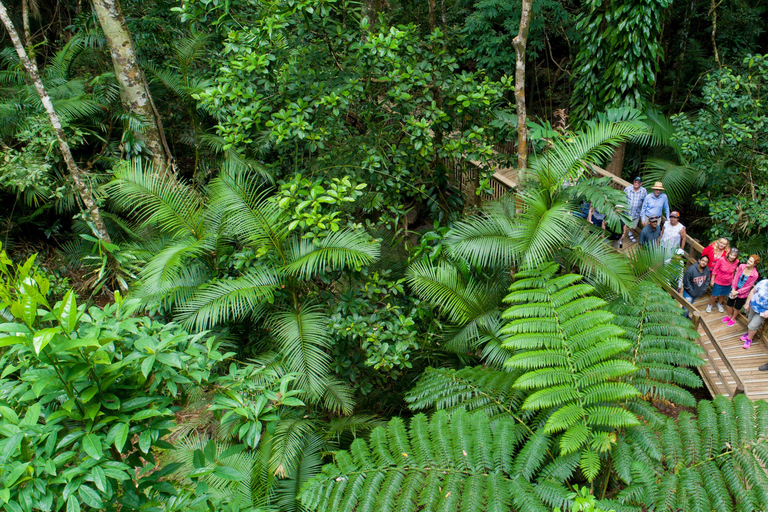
(733, 283)
(660, 226)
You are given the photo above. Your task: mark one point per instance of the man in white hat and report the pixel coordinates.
(655, 204)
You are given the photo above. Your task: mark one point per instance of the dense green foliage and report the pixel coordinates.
(317, 306)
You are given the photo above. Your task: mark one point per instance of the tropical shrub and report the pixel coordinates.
(86, 397)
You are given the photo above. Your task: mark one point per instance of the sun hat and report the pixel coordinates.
(657, 185)
(638, 178)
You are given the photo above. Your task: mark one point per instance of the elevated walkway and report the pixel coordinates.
(729, 369)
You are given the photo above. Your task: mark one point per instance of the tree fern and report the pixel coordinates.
(446, 463)
(568, 348)
(662, 344)
(471, 389)
(713, 461)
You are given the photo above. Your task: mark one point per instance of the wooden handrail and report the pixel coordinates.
(697, 321)
(602, 172)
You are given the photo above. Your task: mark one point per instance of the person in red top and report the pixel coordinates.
(716, 251)
(722, 279)
(745, 278)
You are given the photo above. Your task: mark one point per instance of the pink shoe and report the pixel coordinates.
(726, 320)
(744, 337)
(747, 344)
(731, 323)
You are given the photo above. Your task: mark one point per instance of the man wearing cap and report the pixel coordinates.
(651, 233)
(635, 196)
(655, 204)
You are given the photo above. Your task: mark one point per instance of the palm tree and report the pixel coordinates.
(193, 279)
(544, 226)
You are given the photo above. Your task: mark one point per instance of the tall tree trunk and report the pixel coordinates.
(432, 14)
(617, 160)
(519, 43)
(77, 175)
(134, 89)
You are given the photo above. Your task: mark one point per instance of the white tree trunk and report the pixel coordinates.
(519, 43)
(134, 90)
(77, 175)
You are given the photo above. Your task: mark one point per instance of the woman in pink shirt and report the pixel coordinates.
(745, 278)
(722, 279)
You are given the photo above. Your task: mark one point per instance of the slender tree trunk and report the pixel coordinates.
(713, 12)
(27, 30)
(77, 175)
(134, 89)
(519, 43)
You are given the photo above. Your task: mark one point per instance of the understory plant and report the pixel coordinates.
(87, 396)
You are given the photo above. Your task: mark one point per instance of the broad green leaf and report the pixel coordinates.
(7, 341)
(43, 337)
(229, 473)
(29, 309)
(99, 478)
(145, 441)
(33, 415)
(70, 344)
(15, 474)
(9, 414)
(145, 414)
(68, 312)
(92, 446)
(90, 497)
(73, 504)
(146, 366)
(12, 444)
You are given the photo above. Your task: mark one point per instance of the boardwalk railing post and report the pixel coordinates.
(696, 317)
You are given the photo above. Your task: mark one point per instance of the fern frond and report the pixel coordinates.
(458, 479)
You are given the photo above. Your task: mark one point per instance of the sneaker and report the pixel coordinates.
(720, 307)
(731, 323)
(632, 236)
(709, 308)
(744, 337)
(747, 344)
(726, 320)
(764, 368)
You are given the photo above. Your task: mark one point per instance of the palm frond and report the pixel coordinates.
(226, 300)
(240, 197)
(678, 180)
(158, 199)
(543, 227)
(598, 262)
(344, 249)
(485, 240)
(303, 338)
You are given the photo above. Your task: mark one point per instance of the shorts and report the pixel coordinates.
(718, 290)
(736, 303)
(755, 320)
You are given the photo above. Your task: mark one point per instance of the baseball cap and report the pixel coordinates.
(638, 178)
(653, 219)
(675, 214)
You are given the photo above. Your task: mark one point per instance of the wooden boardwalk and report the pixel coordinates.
(729, 369)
